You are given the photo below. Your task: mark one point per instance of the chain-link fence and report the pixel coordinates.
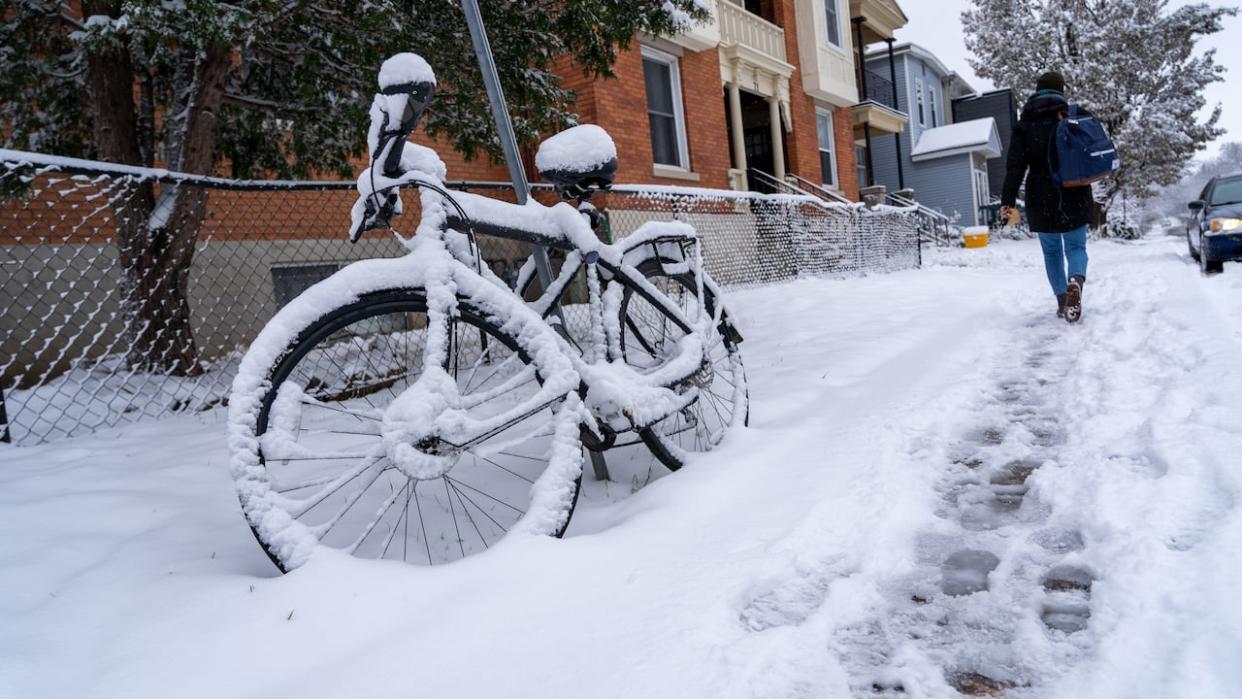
(128, 293)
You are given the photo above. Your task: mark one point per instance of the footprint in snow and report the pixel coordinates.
(789, 601)
(966, 572)
(1067, 598)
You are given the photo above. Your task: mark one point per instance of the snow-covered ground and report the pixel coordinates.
(942, 488)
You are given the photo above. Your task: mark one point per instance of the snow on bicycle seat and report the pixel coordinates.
(580, 157)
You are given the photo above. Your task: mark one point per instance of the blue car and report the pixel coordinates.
(1215, 231)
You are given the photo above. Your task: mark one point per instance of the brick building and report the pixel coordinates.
(767, 85)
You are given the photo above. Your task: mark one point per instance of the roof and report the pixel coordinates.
(975, 136)
(881, 53)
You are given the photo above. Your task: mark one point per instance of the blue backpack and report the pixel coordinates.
(1085, 154)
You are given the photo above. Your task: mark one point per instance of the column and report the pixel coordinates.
(778, 138)
(739, 138)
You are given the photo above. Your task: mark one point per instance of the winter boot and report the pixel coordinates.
(1073, 299)
(1060, 305)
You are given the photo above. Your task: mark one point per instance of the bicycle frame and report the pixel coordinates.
(456, 218)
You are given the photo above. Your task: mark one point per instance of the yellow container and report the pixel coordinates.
(975, 237)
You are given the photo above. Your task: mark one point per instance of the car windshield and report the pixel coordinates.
(1227, 192)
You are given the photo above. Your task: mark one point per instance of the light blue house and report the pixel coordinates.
(945, 163)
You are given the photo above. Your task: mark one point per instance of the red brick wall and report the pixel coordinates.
(706, 129)
(619, 105)
(803, 144)
(847, 165)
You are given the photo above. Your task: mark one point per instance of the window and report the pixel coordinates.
(860, 158)
(290, 280)
(668, 127)
(932, 99)
(827, 150)
(1227, 191)
(834, 22)
(983, 189)
(918, 89)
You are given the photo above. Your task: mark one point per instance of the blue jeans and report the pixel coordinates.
(1060, 248)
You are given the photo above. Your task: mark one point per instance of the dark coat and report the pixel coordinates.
(1049, 208)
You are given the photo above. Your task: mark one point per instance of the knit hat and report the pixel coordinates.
(1052, 80)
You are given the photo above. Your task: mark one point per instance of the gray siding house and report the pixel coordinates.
(943, 161)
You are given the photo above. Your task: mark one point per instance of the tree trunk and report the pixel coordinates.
(157, 259)
(156, 236)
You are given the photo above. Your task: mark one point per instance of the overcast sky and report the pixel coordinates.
(936, 25)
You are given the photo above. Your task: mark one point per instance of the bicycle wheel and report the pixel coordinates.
(649, 339)
(323, 455)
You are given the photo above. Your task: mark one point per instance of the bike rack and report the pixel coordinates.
(513, 158)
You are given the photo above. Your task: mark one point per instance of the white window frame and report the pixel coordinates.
(920, 99)
(679, 112)
(931, 99)
(860, 164)
(832, 150)
(980, 186)
(842, 31)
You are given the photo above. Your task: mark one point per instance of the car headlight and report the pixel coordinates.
(1220, 225)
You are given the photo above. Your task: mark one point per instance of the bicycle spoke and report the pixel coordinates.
(370, 527)
(405, 534)
(520, 456)
(421, 524)
(392, 533)
(482, 511)
(342, 481)
(468, 515)
(453, 513)
(355, 413)
(489, 497)
(502, 468)
(501, 428)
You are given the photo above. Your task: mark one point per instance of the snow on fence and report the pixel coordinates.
(131, 293)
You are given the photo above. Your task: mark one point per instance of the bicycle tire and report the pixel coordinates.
(662, 439)
(372, 309)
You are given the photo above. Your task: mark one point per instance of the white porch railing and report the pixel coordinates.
(737, 26)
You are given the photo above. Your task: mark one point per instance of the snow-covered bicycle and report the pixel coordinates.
(420, 409)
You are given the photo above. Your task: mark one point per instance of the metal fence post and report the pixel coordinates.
(4, 421)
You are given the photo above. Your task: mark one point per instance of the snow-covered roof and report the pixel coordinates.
(975, 136)
(948, 75)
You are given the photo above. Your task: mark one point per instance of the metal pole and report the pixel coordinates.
(504, 126)
(892, 71)
(862, 56)
(513, 157)
(862, 79)
(5, 437)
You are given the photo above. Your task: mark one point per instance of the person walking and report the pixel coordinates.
(1058, 214)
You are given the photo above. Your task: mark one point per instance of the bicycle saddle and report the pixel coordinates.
(578, 160)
